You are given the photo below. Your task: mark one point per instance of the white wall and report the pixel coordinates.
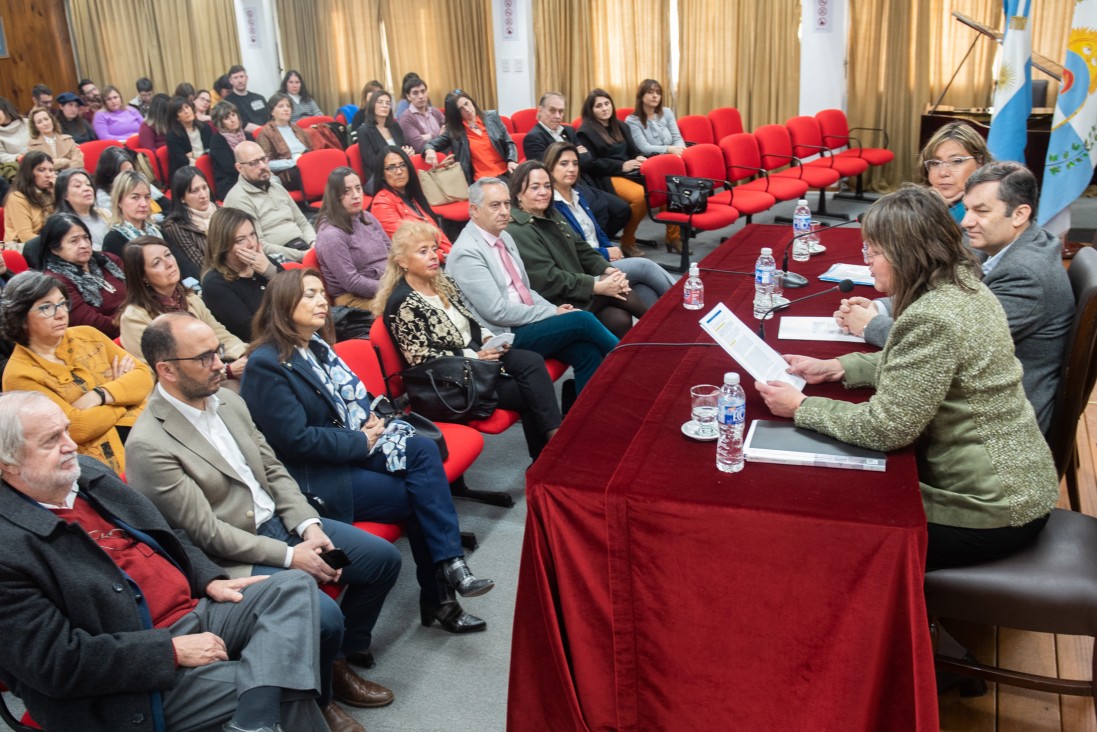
(258, 35)
(824, 32)
(514, 73)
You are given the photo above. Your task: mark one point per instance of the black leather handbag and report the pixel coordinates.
(453, 388)
(688, 195)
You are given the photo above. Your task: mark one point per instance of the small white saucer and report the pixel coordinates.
(816, 248)
(690, 430)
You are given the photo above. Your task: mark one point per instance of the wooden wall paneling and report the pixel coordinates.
(39, 50)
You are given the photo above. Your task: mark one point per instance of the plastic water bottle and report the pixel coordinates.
(801, 224)
(693, 291)
(731, 415)
(763, 283)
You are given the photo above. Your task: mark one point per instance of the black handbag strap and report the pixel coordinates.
(471, 397)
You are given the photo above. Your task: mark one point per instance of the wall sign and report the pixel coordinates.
(822, 16)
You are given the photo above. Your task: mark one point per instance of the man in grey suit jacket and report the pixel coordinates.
(114, 621)
(482, 261)
(202, 461)
(1022, 265)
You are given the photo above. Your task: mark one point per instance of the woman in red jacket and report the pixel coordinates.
(400, 197)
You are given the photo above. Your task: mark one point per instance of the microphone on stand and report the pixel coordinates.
(794, 280)
(844, 286)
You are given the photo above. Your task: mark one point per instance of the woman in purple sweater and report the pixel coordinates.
(351, 246)
(116, 120)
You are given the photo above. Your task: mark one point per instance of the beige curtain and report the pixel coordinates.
(563, 32)
(739, 53)
(449, 43)
(903, 52)
(119, 41)
(630, 43)
(335, 45)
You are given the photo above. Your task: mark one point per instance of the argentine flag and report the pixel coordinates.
(1013, 88)
(1070, 154)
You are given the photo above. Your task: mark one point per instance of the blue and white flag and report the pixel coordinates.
(1013, 88)
(1070, 154)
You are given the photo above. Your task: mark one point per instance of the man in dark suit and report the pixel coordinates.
(611, 212)
(113, 621)
(209, 470)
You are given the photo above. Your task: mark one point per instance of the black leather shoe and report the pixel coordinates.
(452, 617)
(456, 574)
(362, 658)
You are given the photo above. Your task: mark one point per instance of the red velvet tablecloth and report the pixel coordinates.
(657, 593)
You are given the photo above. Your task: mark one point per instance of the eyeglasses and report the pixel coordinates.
(257, 162)
(953, 164)
(867, 253)
(396, 167)
(49, 309)
(204, 359)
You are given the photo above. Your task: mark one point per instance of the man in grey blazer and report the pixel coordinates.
(1022, 265)
(201, 460)
(486, 265)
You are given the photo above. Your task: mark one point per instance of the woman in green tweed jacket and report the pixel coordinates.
(946, 381)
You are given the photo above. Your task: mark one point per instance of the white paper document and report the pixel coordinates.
(857, 272)
(814, 329)
(749, 351)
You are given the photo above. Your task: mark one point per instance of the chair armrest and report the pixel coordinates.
(881, 130)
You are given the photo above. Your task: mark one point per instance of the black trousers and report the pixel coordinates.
(610, 212)
(529, 391)
(954, 546)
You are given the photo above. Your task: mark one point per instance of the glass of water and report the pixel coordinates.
(703, 408)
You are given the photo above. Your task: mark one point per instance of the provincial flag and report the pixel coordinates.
(1070, 154)
(1013, 87)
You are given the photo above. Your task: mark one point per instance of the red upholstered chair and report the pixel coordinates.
(307, 122)
(508, 123)
(743, 160)
(655, 171)
(807, 140)
(92, 150)
(575, 123)
(707, 161)
(457, 211)
(524, 120)
(160, 160)
(355, 161)
(13, 260)
(725, 121)
(315, 167)
(696, 128)
(205, 164)
(518, 137)
(292, 265)
(623, 112)
(836, 135)
(775, 146)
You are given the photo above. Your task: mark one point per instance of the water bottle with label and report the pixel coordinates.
(801, 225)
(693, 291)
(731, 416)
(763, 283)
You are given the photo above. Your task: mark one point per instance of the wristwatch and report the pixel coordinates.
(102, 395)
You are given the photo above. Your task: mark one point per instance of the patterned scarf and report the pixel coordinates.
(176, 302)
(90, 283)
(352, 402)
(131, 232)
(234, 138)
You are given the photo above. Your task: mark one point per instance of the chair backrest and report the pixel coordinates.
(315, 166)
(419, 164)
(310, 261)
(576, 123)
(14, 261)
(834, 127)
(507, 122)
(362, 359)
(696, 128)
(806, 136)
(164, 163)
(524, 119)
(623, 112)
(705, 161)
(355, 160)
(205, 164)
(741, 149)
(392, 361)
(774, 145)
(518, 137)
(1079, 371)
(725, 121)
(307, 122)
(655, 171)
(92, 150)
(133, 142)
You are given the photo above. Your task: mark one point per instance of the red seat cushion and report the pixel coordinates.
(783, 189)
(814, 177)
(846, 166)
(873, 155)
(716, 217)
(500, 421)
(555, 368)
(751, 202)
(455, 211)
(464, 445)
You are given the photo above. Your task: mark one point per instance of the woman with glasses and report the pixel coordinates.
(155, 289)
(948, 383)
(478, 139)
(400, 197)
(94, 284)
(949, 158)
(100, 387)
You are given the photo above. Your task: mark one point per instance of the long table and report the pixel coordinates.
(657, 593)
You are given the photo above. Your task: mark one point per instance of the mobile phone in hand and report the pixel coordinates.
(335, 558)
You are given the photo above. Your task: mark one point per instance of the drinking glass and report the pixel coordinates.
(703, 408)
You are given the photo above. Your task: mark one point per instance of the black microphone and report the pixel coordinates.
(844, 286)
(794, 280)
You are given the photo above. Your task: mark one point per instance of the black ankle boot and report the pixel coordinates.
(455, 573)
(451, 616)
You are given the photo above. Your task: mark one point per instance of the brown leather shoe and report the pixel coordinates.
(340, 721)
(350, 688)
